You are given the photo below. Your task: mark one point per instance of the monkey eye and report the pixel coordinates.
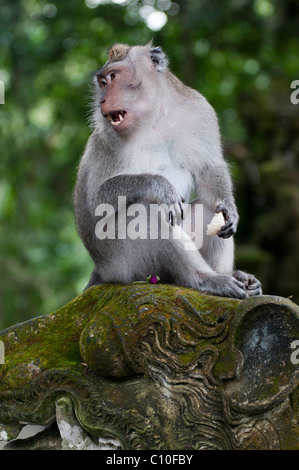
(112, 75)
(102, 82)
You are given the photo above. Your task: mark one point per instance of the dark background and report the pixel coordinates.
(241, 54)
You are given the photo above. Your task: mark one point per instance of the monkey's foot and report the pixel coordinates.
(222, 285)
(252, 284)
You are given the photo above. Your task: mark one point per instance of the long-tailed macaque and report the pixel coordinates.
(155, 142)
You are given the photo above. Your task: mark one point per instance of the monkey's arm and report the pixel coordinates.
(151, 188)
(215, 189)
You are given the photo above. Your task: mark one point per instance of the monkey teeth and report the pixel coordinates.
(116, 118)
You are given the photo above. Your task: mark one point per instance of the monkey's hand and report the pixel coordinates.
(176, 212)
(170, 201)
(231, 216)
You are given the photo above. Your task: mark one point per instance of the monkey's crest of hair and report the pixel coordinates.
(118, 52)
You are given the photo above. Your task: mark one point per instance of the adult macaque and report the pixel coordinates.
(156, 141)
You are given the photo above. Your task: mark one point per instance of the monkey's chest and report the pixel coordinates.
(162, 161)
(178, 176)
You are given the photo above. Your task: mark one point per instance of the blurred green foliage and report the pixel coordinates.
(241, 54)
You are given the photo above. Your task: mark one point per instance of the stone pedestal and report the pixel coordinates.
(154, 367)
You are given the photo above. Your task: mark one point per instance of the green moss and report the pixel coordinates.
(103, 351)
(106, 315)
(43, 343)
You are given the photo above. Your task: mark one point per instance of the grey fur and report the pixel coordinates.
(170, 150)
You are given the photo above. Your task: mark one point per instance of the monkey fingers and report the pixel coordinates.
(254, 286)
(231, 217)
(251, 283)
(176, 214)
(239, 290)
(182, 209)
(223, 209)
(225, 286)
(254, 289)
(226, 230)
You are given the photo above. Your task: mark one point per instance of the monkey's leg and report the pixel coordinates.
(94, 280)
(129, 259)
(136, 260)
(219, 253)
(202, 274)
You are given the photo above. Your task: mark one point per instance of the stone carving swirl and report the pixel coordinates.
(154, 367)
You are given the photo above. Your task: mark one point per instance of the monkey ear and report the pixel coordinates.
(158, 58)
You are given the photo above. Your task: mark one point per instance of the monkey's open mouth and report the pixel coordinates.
(116, 117)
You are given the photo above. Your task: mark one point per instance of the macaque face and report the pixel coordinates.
(127, 90)
(118, 90)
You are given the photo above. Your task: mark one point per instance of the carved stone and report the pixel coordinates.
(154, 367)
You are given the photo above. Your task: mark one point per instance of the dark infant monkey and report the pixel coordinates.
(156, 142)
